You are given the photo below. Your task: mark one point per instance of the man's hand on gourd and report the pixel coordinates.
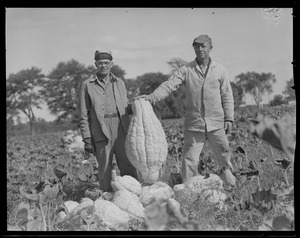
(146, 97)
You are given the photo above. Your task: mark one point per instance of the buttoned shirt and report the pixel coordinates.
(209, 100)
(92, 105)
(110, 103)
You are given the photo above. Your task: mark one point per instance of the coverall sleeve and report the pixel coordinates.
(169, 86)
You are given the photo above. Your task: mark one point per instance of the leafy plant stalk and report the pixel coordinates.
(42, 211)
(286, 177)
(49, 214)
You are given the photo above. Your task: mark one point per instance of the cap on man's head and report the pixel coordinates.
(104, 54)
(201, 39)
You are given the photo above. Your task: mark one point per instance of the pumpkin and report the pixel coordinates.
(146, 144)
(125, 182)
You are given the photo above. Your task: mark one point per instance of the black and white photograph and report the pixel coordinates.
(150, 119)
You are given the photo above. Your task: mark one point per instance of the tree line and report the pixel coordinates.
(59, 90)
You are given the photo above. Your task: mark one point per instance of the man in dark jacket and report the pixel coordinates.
(104, 119)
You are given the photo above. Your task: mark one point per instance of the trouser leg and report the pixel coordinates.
(193, 145)
(104, 157)
(220, 146)
(124, 165)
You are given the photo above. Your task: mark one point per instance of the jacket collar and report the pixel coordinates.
(212, 63)
(112, 76)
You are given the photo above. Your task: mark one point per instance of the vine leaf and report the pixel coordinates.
(290, 213)
(243, 228)
(22, 215)
(266, 225)
(250, 174)
(59, 172)
(33, 197)
(39, 186)
(252, 165)
(94, 195)
(35, 225)
(278, 223)
(239, 149)
(51, 192)
(251, 171)
(284, 163)
(281, 223)
(264, 159)
(28, 217)
(263, 200)
(278, 133)
(82, 177)
(285, 191)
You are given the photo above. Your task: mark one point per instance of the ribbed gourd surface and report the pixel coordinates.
(146, 144)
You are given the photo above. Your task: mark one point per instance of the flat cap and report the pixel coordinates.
(103, 54)
(201, 39)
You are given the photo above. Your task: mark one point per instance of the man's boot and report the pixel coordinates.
(228, 178)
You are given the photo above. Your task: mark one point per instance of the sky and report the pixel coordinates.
(142, 40)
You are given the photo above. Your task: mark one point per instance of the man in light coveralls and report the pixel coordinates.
(209, 112)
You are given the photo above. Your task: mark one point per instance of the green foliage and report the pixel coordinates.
(238, 94)
(22, 93)
(176, 63)
(118, 72)
(61, 88)
(289, 91)
(150, 81)
(279, 133)
(277, 100)
(171, 107)
(263, 200)
(256, 84)
(33, 166)
(132, 87)
(49, 176)
(41, 127)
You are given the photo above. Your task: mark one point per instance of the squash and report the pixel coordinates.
(146, 144)
(108, 213)
(157, 191)
(125, 182)
(128, 202)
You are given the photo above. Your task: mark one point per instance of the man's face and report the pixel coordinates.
(202, 50)
(103, 66)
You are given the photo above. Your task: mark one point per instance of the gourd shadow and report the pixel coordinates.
(121, 162)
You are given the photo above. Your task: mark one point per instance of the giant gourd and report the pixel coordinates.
(146, 145)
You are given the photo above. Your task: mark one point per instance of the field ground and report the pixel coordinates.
(33, 161)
